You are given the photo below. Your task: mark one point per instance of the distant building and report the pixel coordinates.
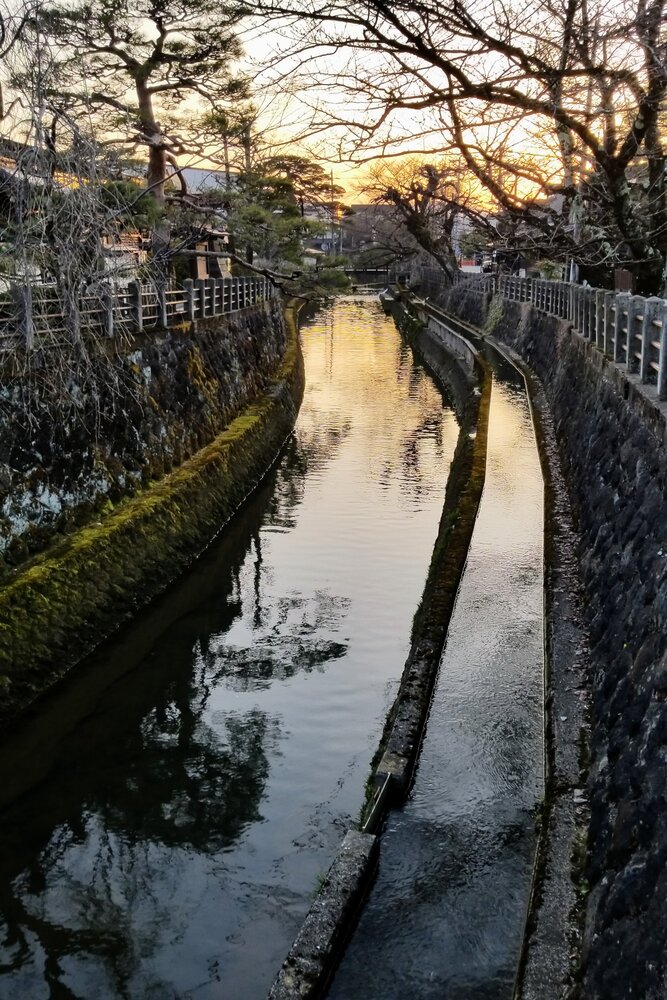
(203, 180)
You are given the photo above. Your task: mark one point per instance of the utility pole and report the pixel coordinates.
(332, 248)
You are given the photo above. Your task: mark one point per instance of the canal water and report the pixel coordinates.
(167, 813)
(446, 915)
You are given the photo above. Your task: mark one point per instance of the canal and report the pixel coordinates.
(168, 811)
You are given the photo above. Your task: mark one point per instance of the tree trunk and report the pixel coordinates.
(225, 154)
(157, 154)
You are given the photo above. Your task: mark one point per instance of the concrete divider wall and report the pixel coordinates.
(612, 446)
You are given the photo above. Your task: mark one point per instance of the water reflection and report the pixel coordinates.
(167, 812)
(291, 635)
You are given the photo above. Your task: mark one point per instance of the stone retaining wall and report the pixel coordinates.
(79, 432)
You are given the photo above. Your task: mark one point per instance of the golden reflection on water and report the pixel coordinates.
(353, 358)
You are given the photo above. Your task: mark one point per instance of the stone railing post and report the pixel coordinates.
(635, 309)
(189, 289)
(135, 293)
(210, 287)
(609, 323)
(581, 310)
(22, 295)
(72, 310)
(549, 302)
(662, 354)
(574, 309)
(201, 292)
(589, 318)
(652, 311)
(161, 292)
(620, 331)
(599, 318)
(107, 309)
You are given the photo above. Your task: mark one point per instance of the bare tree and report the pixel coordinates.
(555, 109)
(434, 201)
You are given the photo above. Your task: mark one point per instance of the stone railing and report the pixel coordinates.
(629, 329)
(31, 315)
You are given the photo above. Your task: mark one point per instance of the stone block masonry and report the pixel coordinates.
(79, 434)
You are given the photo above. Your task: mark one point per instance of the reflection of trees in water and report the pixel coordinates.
(419, 437)
(297, 634)
(107, 854)
(94, 862)
(309, 450)
(412, 462)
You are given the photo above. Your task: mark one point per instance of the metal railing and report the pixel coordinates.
(629, 329)
(32, 315)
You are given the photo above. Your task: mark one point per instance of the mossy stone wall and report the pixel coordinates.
(78, 433)
(66, 600)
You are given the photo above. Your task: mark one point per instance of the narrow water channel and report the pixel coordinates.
(445, 917)
(167, 813)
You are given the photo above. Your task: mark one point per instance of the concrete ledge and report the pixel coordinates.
(401, 740)
(313, 955)
(68, 600)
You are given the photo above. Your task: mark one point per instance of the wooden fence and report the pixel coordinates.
(33, 315)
